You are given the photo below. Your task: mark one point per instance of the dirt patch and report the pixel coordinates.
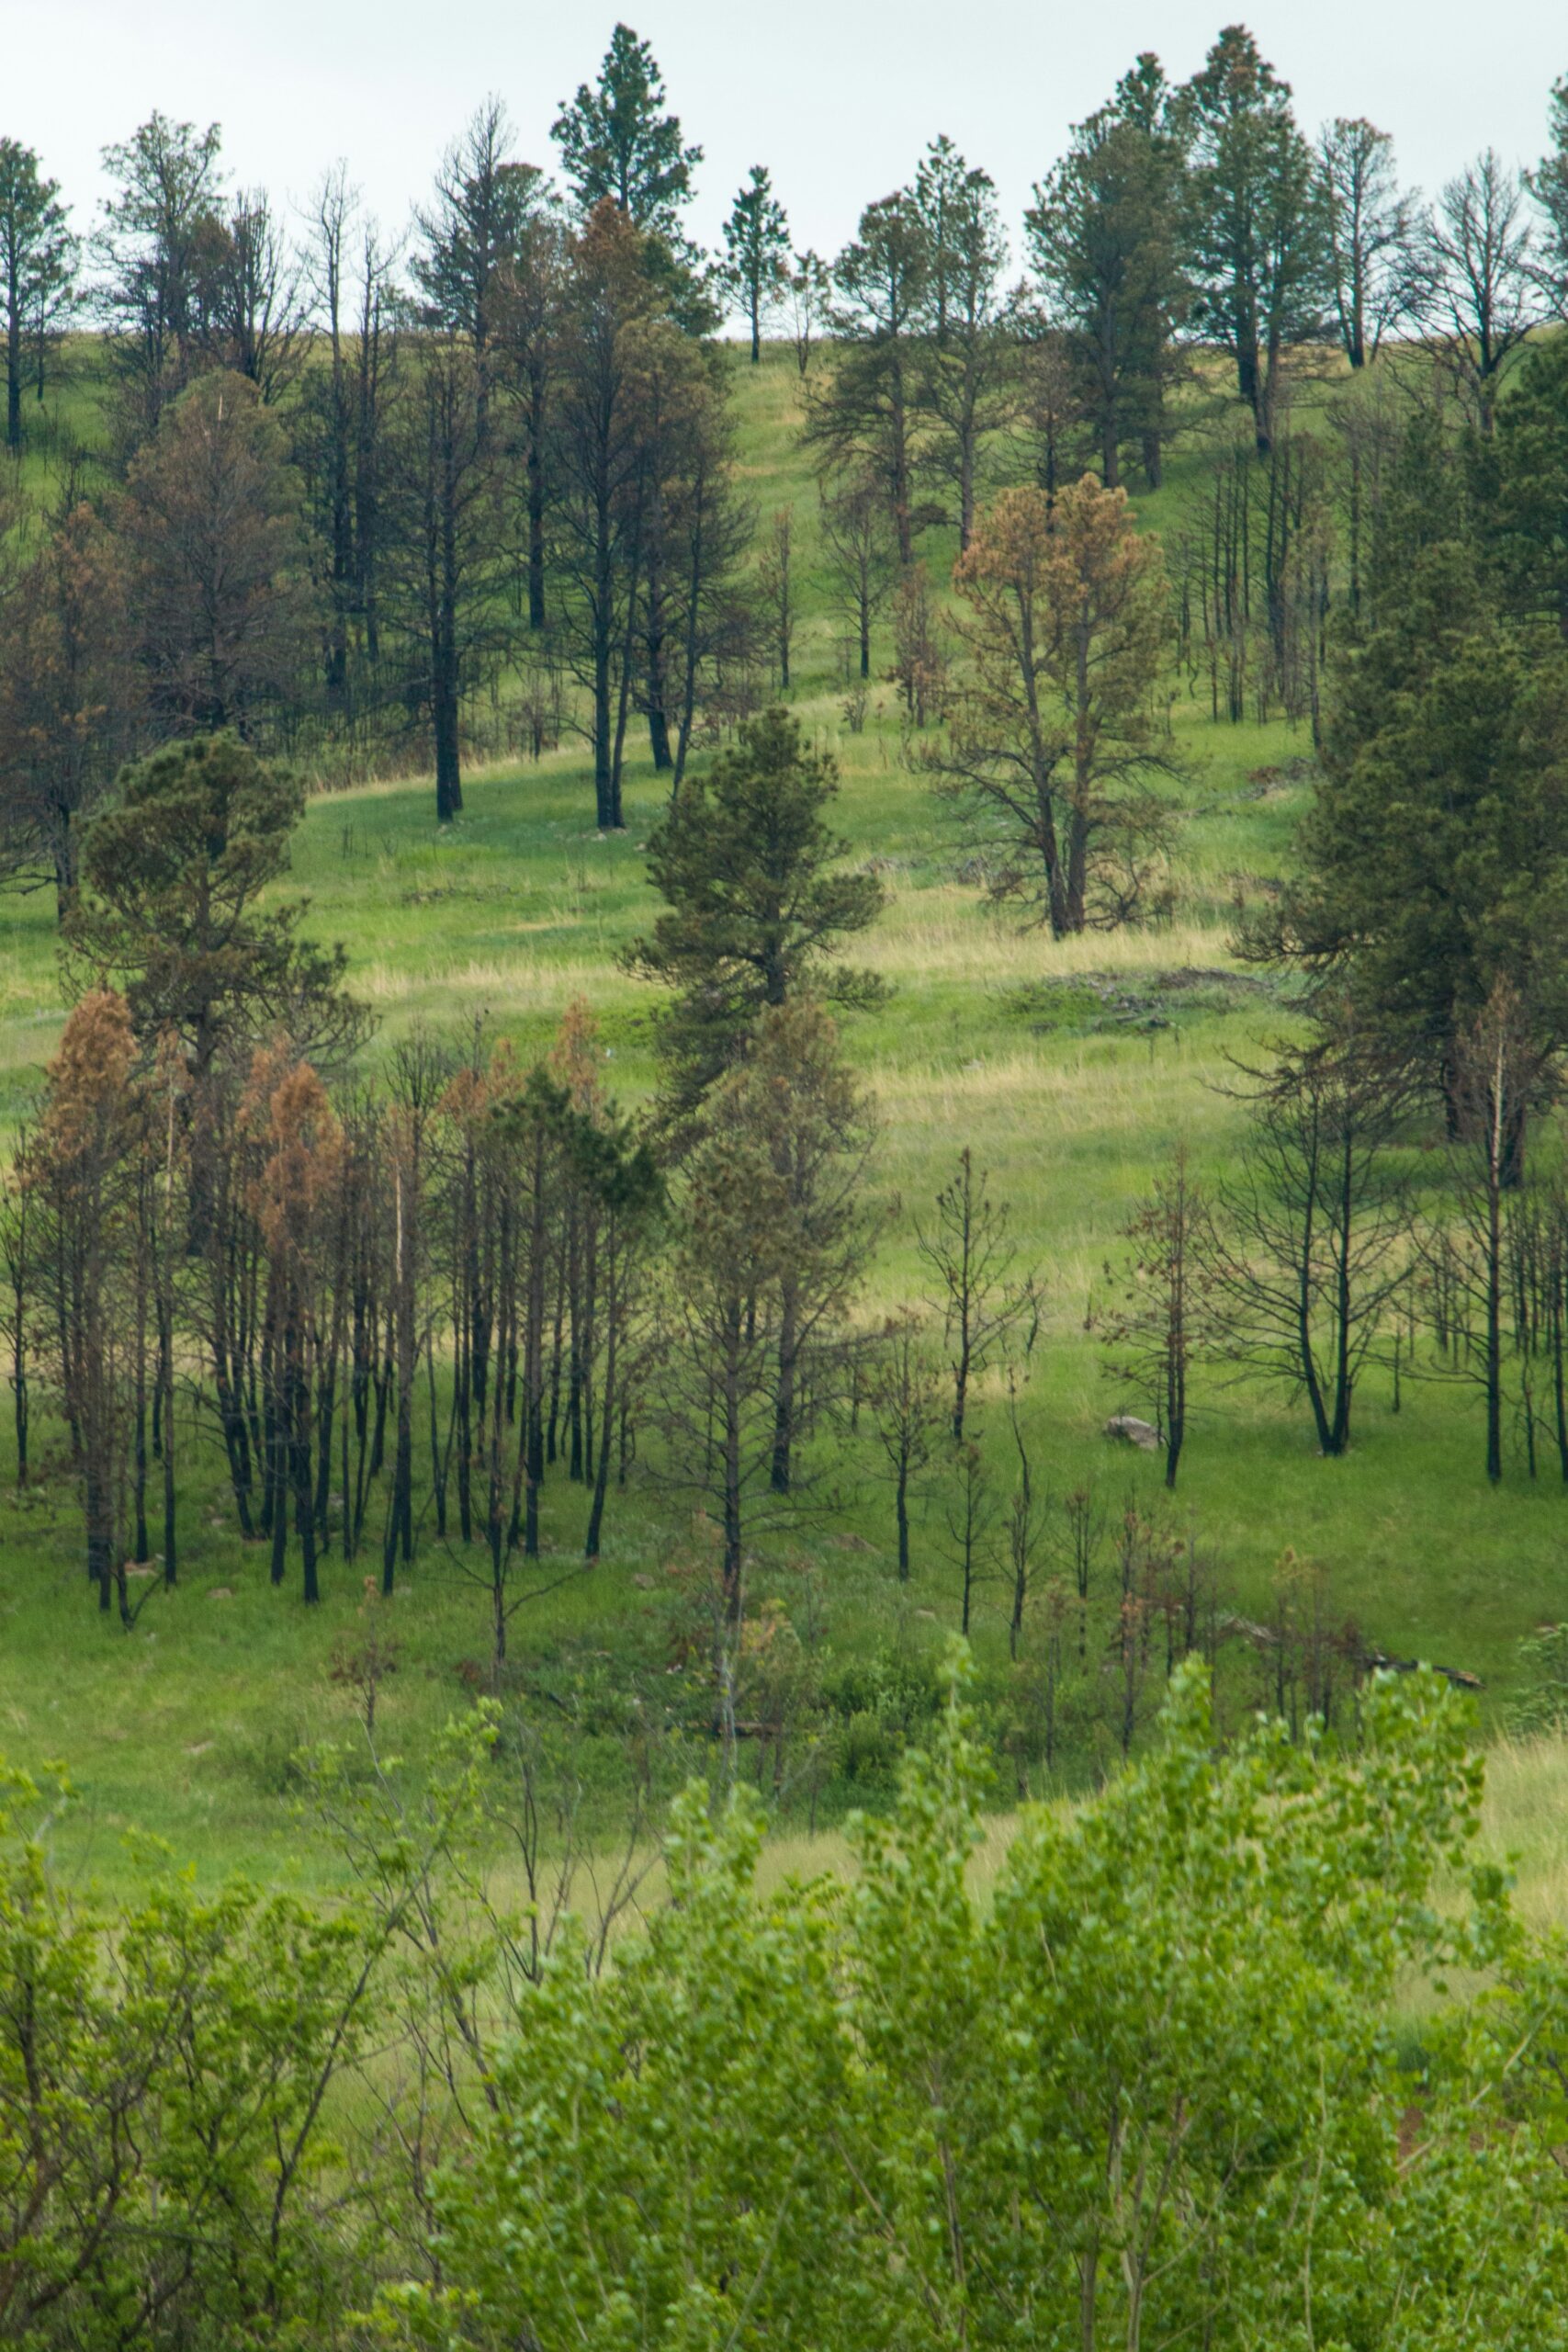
(1093, 1003)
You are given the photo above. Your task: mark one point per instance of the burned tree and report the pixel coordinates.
(983, 1301)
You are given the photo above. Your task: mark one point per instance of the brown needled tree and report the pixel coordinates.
(1054, 745)
(69, 699)
(220, 591)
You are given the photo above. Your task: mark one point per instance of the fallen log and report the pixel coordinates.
(1378, 1662)
(1374, 1661)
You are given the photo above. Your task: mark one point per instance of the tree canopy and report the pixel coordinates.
(757, 900)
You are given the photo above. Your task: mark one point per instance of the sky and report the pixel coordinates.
(838, 97)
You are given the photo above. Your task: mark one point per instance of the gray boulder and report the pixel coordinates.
(1132, 1431)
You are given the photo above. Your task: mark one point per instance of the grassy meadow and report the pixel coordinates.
(1071, 1070)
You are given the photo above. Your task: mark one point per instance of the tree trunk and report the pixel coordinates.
(14, 374)
(443, 701)
(784, 1394)
(601, 1475)
(536, 472)
(901, 1511)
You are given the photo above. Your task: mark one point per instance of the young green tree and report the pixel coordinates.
(757, 900)
(756, 252)
(1255, 231)
(1054, 742)
(169, 2066)
(617, 141)
(1129, 2094)
(174, 876)
(38, 262)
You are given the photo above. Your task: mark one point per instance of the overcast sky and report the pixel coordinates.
(837, 96)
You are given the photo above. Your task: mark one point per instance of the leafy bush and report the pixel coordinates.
(1148, 2093)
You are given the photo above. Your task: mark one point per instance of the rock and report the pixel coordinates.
(220, 1592)
(1132, 1431)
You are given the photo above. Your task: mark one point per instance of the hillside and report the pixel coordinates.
(1070, 1069)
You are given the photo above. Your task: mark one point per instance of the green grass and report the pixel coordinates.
(1070, 1069)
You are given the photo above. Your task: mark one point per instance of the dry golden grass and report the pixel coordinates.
(1524, 1822)
(525, 982)
(939, 933)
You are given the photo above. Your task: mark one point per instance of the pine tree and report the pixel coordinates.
(173, 878)
(1549, 186)
(757, 902)
(966, 381)
(156, 235)
(69, 699)
(756, 244)
(473, 231)
(222, 601)
(617, 141)
(1104, 237)
(1526, 471)
(1435, 856)
(38, 260)
(865, 418)
(1257, 248)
